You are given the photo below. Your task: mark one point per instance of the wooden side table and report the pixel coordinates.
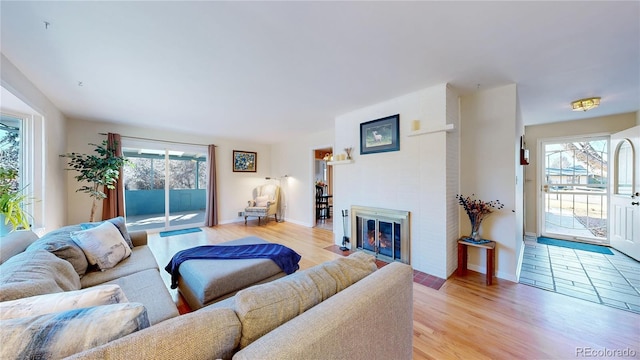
(462, 257)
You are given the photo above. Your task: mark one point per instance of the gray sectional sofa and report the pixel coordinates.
(342, 309)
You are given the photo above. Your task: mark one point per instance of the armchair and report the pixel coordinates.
(264, 204)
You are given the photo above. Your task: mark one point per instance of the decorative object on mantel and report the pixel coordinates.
(445, 128)
(477, 210)
(348, 151)
(380, 135)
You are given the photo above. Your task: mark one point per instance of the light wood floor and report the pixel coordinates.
(465, 319)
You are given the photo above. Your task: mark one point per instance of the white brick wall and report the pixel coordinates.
(413, 179)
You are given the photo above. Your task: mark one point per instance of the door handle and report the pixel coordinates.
(635, 195)
(636, 203)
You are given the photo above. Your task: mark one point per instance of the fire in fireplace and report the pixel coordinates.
(382, 232)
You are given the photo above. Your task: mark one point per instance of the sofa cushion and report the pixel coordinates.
(62, 301)
(204, 334)
(372, 319)
(35, 273)
(59, 243)
(61, 334)
(103, 245)
(141, 259)
(15, 242)
(262, 308)
(118, 222)
(349, 270)
(148, 288)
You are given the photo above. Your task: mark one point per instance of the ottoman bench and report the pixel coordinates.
(205, 281)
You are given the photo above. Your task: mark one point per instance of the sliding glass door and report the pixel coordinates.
(165, 188)
(187, 189)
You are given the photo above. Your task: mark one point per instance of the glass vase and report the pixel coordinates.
(475, 231)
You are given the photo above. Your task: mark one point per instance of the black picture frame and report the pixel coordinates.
(380, 135)
(245, 161)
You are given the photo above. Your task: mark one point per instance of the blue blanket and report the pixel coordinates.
(284, 257)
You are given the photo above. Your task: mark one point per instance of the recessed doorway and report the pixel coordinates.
(323, 188)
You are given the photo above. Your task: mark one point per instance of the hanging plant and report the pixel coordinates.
(98, 170)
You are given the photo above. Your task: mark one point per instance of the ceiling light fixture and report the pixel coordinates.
(585, 104)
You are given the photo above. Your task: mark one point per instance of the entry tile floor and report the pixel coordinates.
(612, 280)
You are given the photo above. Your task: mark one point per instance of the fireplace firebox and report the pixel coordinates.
(382, 232)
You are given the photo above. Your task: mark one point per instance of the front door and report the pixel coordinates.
(573, 194)
(625, 192)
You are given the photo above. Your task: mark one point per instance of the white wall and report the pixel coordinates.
(53, 127)
(412, 179)
(489, 151)
(519, 190)
(234, 189)
(295, 158)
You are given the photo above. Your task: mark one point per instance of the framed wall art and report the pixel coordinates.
(244, 161)
(380, 135)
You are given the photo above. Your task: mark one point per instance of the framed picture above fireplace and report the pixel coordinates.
(380, 135)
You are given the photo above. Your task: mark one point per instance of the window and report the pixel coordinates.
(20, 144)
(11, 152)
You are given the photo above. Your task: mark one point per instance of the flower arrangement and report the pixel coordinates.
(477, 210)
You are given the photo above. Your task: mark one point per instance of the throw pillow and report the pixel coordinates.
(103, 245)
(56, 302)
(262, 201)
(118, 222)
(35, 273)
(61, 334)
(262, 308)
(59, 243)
(16, 242)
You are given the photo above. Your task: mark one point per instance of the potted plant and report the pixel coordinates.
(12, 200)
(98, 170)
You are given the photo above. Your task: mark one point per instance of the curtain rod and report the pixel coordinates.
(165, 141)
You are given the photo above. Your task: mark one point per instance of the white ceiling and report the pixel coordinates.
(269, 71)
